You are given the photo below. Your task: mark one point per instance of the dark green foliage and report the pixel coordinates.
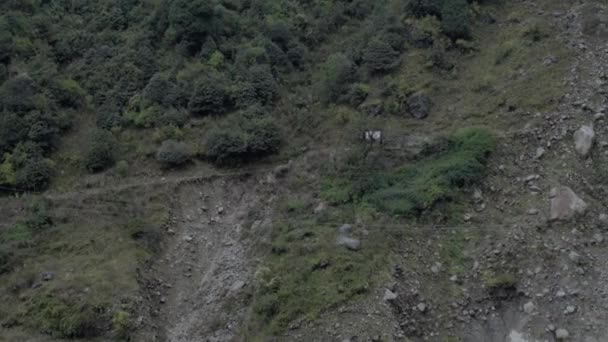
(12, 130)
(421, 8)
(263, 83)
(100, 154)
(210, 97)
(35, 174)
(379, 55)
(248, 137)
(173, 153)
(25, 168)
(17, 93)
(456, 19)
(334, 77)
(160, 91)
(279, 33)
(190, 21)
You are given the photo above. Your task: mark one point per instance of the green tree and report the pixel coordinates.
(456, 19)
(100, 153)
(174, 153)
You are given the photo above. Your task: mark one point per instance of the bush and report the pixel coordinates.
(334, 76)
(100, 153)
(380, 55)
(224, 146)
(64, 318)
(456, 19)
(160, 90)
(210, 97)
(35, 174)
(173, 153)
(263, 83)
(421, 8)
(246, 139)
(17, 93)
(26, 168)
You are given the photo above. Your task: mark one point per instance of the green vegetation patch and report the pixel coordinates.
(307, 274)
(445, 168)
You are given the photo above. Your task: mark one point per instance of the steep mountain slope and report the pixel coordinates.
(211, 181)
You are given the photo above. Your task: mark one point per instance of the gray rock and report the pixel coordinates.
(583, 140)
(48, 276)
(419, 105)
(372, 107)
(561, 334)
(570, 309)
(389, 295)
(565, 204)
(346, 229)
(421, 307)
(604, 219)
(529, 308)
(349, 243)
(282, 170)
(237, 286)
(599, 238)
(320, 208)
(540, 152)
(575, 257)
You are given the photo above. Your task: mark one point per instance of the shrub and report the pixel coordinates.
(100, 153)
(210, 97)
(297, 55)
(69, 93)
(226, 145)
(279, 32)
(65, 318)
(421, 8)
(263, 83)
(247, 138)
(334, 76)
(160, 90)
(17, 93)
(37, 217)
(35, 174)
(380, 55)
(173, 153)
(26, 168)
(456, 19)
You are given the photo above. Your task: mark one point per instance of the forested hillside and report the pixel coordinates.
(155, 66)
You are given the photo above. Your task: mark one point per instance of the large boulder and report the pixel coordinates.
(565, 204)
(584, 138)
(419, 105)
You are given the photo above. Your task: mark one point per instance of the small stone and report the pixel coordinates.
(583, 140)
(561, 334)
(237, 286)
(188, 238)
(454, 278)
(570, 309)
(560, 294)
(435, 269)
(220, 210)
(599, 238)
(349, 243)
(320, 208)
(529, 308)
(389, 295)
(468, 217)
(346, 229)
(575, 257)
(48, 276)
(540, 152)
(163, 300)
(421, 307)
(604, 218)
(533, 212)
